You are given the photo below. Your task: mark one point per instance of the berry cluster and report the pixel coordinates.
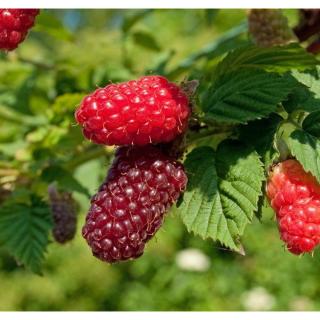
(148, 110)
(269, 27)
(145, 118)
(143, 181)
(14, 26)
(295, 196)
(129, 207)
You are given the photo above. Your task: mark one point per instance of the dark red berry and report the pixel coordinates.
(14, 26)
(129, 207)
(309, 24)
(137, 112)
(314, 47)
(295, 196)
(63, 208)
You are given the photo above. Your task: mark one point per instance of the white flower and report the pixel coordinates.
(192, 260)
(258, 299)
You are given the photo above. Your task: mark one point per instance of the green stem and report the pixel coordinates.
(37, 64)
(14, 117)
(13, 56)
(285, 128)
(295, 118)
(301, 117)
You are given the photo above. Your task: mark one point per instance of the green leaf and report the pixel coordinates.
(279, 59)
(210, 15)
(301, 98)
(306, 96)
(216, 48)
(51, 25)
(260, 134)
(311, 80)
(63, 108)
(311, 124)
(306, 149)
(10, 115)
(131, 20)
(23, 95)
(146, 39)
(160, 63)
(24, 232)
(67, 102)
(222, 191)
(246, 95)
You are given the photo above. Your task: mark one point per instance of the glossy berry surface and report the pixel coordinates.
(130, 205)
(269, 27)
(137, 112)
(295, 196)
(14, 26)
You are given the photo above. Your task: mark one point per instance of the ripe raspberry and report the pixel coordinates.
(137, 112)
(295, 196)
(14, 26)
(129, 207)
(269, 27)
(63, 209)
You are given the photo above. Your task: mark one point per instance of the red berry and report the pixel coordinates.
(137, 112)
(14, 26)
(129, 207)
(295, 196)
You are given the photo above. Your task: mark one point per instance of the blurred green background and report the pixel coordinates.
(68, 54)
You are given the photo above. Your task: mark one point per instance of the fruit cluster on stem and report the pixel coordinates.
(147, 119)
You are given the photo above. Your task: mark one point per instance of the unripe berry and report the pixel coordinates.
(63, 208)
(269, 27)
(130, 205)
(137, 112)
(295, 196)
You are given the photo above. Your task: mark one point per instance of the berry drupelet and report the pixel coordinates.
(138, 112)
(130, 205)
(295, 196)
(14, 26)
